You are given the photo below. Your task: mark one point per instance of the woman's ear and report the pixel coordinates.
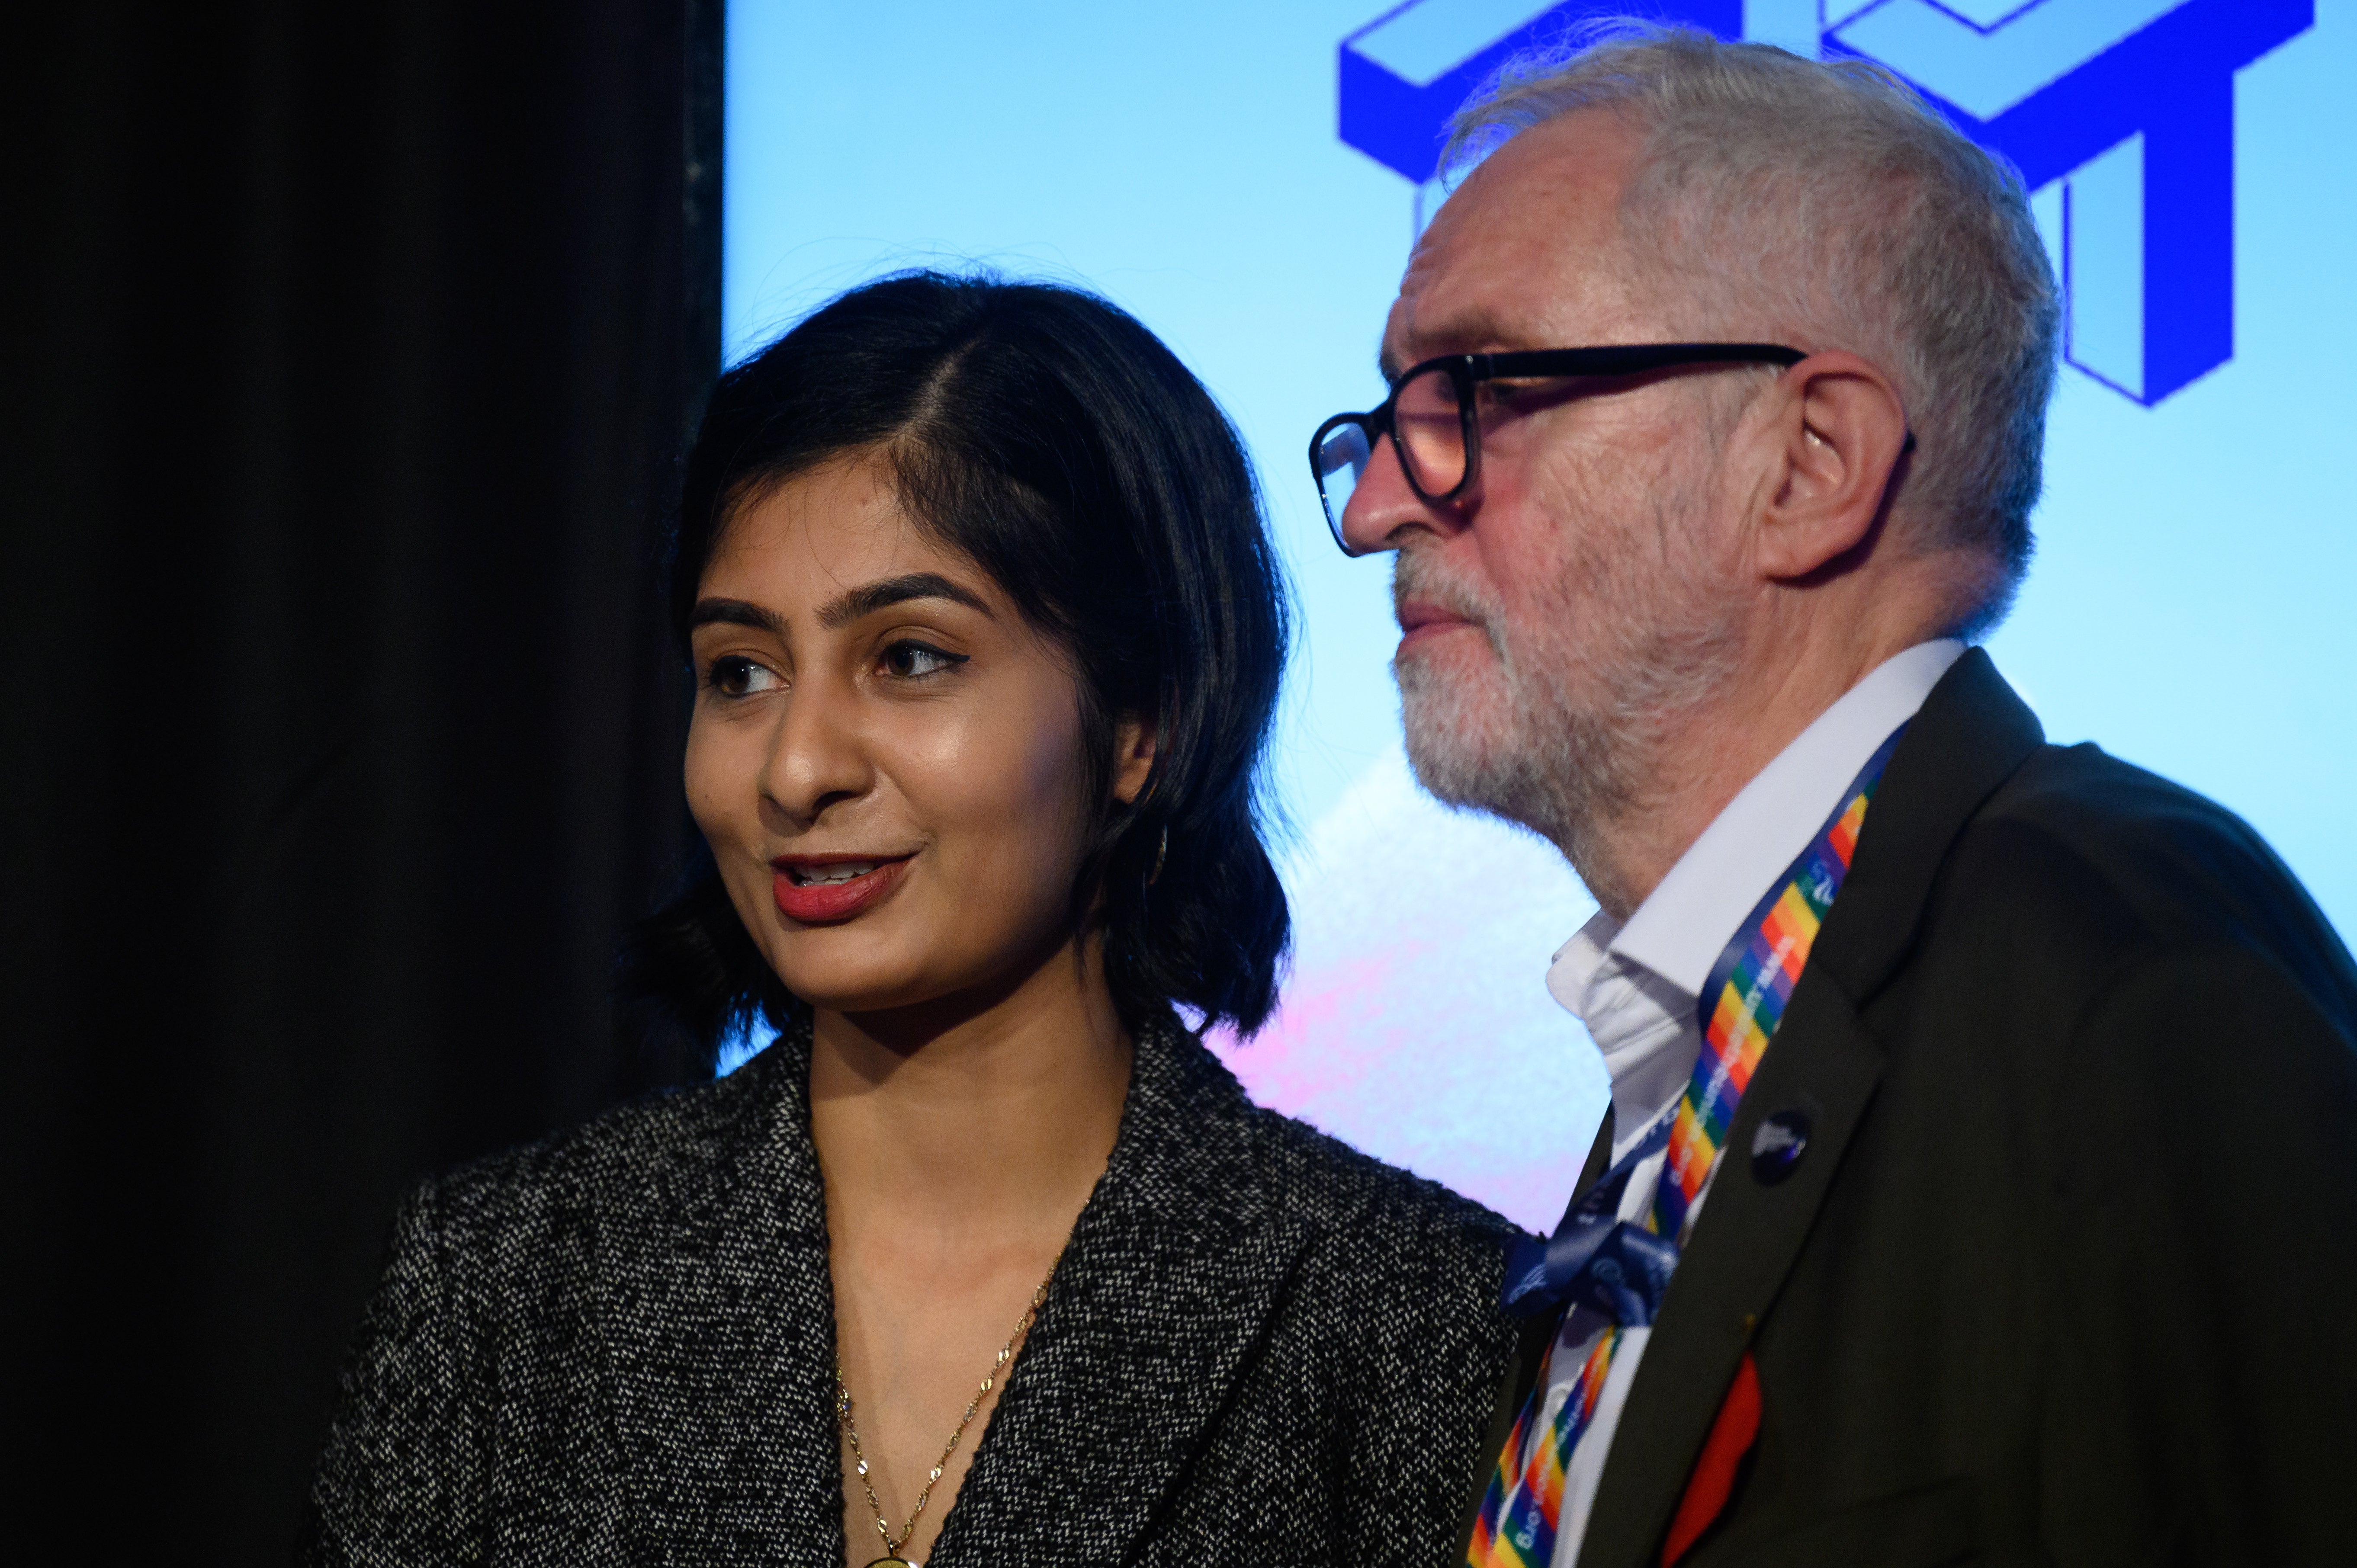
(1133, 741)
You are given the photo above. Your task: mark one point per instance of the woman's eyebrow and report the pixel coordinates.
(736, 612)
(869, 597)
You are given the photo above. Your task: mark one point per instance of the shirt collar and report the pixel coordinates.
(1679, 931)
(1640, 1023)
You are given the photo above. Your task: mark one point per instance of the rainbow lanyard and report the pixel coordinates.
(1622, 1269)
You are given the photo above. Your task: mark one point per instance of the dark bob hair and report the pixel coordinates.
(1048, 437)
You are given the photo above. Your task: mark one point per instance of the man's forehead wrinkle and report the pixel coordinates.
(1474, 329)
(1388, 362)
(1399, 328)
(1483, 297)
(1528, 254)
(1442, 307)
(1495, 279)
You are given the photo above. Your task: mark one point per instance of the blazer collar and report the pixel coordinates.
(718, 1310)
(1172, 1273)
(1971, 734)
(718, 1320)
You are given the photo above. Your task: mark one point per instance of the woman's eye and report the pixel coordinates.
(911, 660)
(734, 675)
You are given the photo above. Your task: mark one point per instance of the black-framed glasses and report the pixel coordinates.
(1434, 418)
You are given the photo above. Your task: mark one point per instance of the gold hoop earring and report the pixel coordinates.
(1160, 851)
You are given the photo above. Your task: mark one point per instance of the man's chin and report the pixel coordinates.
(1452, 760)
(1477, 762)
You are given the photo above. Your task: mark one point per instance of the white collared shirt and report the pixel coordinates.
(1636, 987)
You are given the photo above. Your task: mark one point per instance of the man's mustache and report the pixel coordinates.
(1417, 578)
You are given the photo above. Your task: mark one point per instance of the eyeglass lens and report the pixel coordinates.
(1431, 432)
(1431, 440)
(1342, 457)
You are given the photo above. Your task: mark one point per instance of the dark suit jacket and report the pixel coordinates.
(2068, 1271)
(1261, 1349)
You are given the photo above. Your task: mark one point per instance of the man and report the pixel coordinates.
(2008, 1094)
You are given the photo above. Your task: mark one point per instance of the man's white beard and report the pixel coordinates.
(1553, 767)
(1620, 655)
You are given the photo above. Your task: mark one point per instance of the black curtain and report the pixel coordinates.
(349, 347)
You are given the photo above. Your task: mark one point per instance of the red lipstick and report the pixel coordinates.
(809, 889)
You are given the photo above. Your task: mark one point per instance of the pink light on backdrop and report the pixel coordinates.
(1416, 1023)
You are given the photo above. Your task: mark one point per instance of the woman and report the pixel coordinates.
(987, 1259)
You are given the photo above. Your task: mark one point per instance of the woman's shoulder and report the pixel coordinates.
(1325, 1179)
(653, 1157)
(1319, 1178)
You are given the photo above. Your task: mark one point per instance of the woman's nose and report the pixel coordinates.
(816, 756)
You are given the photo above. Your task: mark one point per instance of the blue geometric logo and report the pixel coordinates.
(2129, 104)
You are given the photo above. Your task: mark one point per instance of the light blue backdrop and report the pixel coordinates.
(2188, 606)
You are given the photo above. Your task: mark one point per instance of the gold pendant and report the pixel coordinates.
(891, 1563)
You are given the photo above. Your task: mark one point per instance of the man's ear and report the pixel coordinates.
(1838, 434)
(1133, 757)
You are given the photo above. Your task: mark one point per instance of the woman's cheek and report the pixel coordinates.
(722, 776)
(704, 797)
(1055, 816)
(1005, 787)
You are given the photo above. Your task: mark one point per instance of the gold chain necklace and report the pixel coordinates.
(892, 1544)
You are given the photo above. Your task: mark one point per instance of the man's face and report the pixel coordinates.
(1576, 597)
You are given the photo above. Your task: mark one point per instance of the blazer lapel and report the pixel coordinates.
(718, 1321)
(1971, 734)
(1172, 1273)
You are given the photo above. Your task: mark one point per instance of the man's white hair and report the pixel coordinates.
(1828, 201)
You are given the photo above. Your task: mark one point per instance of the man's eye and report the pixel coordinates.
(912, 660)
(734, 675)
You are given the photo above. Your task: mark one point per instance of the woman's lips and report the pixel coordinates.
(825, 903)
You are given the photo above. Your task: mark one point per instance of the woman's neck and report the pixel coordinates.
(959, 1143)
(983, 1123)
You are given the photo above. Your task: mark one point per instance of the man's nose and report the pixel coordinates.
(1384, 506)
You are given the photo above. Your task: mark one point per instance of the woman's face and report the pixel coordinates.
(885, 757)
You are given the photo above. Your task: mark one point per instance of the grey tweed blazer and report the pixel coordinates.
(616, 1347)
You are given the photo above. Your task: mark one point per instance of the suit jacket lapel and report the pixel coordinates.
(1971, 734)
(1531, 1341)
(718, 1320)
(1172, 1275)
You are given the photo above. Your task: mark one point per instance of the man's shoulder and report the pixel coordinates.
(2081, 820)
(2110, 805)
(2085, 862)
